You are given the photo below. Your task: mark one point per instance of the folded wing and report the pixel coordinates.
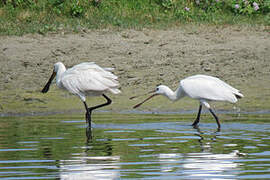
(209, 88)
(89, 78)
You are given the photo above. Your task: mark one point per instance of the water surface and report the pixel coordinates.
(134, 146)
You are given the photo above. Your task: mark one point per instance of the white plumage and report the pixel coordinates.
(85, 79)
(208, 88)
(201, 87)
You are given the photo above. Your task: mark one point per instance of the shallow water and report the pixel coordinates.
(134, 146)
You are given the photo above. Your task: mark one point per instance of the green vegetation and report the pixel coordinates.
(31, 16)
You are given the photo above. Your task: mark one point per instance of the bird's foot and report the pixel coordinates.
(196, 122)
(195, 126)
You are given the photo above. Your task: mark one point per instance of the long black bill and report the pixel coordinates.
(144, 101)
(47, 86)
(133, 97)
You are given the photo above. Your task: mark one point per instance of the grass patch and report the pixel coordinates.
(20, 17)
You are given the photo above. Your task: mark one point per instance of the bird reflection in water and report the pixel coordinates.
(204, 164)
(96, 161)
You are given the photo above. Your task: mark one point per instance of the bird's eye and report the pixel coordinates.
(157, 89)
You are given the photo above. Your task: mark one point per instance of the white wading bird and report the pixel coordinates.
(85, 79)
(201, 87)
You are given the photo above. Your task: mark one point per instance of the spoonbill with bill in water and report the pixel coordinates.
(85, 79)
(201, 87)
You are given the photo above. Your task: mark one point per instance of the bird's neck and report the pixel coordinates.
(60, 72)
(175, 95)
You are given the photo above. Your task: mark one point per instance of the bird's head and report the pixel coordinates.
(160, 90)
(55, 70)
(56, 66)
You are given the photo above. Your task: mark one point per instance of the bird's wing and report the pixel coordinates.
(209, 88)
(233, 90)
(86, 77)
(218, 81)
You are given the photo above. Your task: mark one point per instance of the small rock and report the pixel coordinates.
(207, 69)
(130, 76)
(25, 64)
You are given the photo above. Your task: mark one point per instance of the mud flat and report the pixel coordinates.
(142, 59)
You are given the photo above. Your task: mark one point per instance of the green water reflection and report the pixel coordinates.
(134, 146)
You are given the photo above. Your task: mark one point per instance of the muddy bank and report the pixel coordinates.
(142, 59)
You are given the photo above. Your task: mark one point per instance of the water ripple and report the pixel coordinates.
(62, 148)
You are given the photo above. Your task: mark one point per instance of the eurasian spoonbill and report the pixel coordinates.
(85, 79)
(201, 87)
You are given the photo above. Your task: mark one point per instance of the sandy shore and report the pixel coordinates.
(142, 59)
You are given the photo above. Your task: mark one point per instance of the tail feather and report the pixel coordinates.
(239, 95)
(114, 90)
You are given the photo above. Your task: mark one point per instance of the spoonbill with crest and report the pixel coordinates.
(85, 79)
(201, 87)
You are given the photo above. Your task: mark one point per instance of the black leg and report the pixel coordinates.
(109, 101)
(87, 115)
(89, 110)
(215, 116)
(198, 117)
